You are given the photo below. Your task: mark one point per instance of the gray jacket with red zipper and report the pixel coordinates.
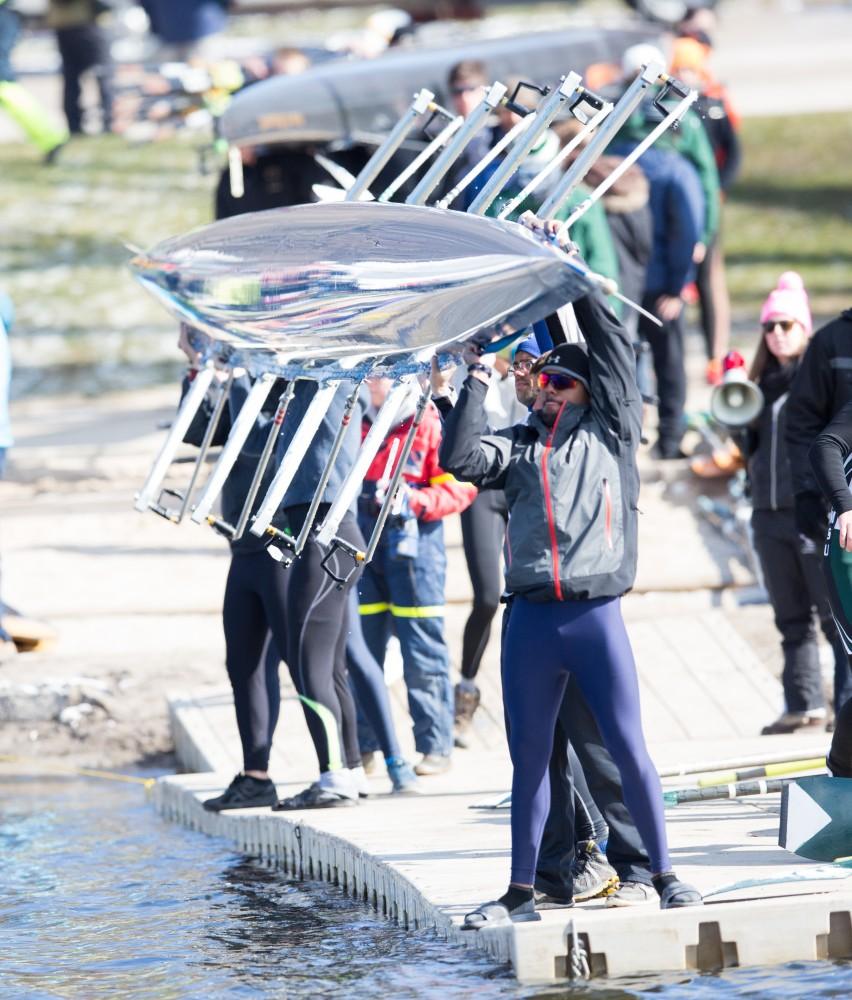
(572, 489)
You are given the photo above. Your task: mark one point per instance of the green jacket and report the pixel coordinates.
(690, 140)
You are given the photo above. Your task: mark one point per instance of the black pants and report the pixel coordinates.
(667, 353)
(316, 644)
(569, 818)
(706, 299)
(797, 589)
(82, 49)
(255, 621)
(483, 529)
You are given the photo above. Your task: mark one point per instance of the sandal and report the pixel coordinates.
(314, 797)
(495, 914)
(677, 894)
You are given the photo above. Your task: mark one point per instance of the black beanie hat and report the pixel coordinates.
(573, 359)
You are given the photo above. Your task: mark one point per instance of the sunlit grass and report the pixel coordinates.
(792, 208)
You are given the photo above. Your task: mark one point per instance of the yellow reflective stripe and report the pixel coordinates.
(427, 611)
(373, 609)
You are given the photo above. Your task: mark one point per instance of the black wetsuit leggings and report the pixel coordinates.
(305, 614)
(254, 618)
(316, 643)
(483, 529)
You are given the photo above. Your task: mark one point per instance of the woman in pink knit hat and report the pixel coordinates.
(791, 569)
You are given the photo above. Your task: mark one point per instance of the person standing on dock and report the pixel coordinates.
(575, 460)
(791, 568)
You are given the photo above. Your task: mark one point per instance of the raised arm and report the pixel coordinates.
(612, 362)
(466, 451)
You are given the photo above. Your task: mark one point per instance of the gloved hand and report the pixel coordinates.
(811, 513)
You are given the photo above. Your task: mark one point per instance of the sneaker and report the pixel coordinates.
(403, 779)
(432, 763)
(794, 722)
(593, 874)
(544, 901)
(467, 697)
(314, 797)
(359, 777)
(244, 792)
(632, 894)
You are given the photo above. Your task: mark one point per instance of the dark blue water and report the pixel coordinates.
(101, 898)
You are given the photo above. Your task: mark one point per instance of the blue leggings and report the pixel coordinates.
(368, 682)
(545, 642)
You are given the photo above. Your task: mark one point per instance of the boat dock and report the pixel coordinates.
(144, 615)
(424, 861)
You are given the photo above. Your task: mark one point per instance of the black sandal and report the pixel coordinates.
(314, 797)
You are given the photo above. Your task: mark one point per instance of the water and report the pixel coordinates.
(101, 898)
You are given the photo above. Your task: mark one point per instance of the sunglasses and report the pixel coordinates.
(559, 382)
(522, 367)
(785, 324)
(458, 91)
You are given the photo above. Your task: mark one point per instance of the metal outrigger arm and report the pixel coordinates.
(189, 407)
(206, 441)
(439, 142)
(568, 88)
(556, 162)
(296, 547)
(370, 446)
(265, 458)
(517, 129)
(233, 446)
(305, 433)
(459, 142)
(670, 121)
(391, 144)
(623, 109)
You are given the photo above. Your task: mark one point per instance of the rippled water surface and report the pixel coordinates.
(101, 898)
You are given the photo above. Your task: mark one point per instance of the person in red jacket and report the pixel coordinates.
(402, 589)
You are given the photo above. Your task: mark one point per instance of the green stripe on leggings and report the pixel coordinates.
(329, 724)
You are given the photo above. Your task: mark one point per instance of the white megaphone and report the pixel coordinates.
(737, 401)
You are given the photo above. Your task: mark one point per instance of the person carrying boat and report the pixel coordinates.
(575, 460)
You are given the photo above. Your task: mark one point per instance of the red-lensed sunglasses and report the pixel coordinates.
(559, 382)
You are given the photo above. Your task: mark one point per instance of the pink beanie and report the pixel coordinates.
(789, 298)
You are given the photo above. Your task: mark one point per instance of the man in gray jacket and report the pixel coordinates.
(572, 487)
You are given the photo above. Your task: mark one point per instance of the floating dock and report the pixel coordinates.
(424, 861)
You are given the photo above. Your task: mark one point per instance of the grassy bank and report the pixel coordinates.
(62, 253)
(792, 208)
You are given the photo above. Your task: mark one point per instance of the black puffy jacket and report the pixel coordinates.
(823, 384)
(764, 446)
